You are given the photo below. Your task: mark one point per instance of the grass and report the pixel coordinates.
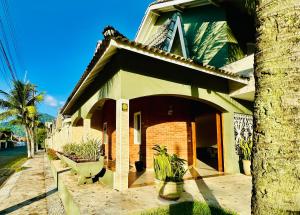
(11, 161)
(189, 208)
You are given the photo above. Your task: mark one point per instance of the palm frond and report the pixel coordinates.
(7, 114)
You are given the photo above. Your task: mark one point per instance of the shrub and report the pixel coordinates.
(246, 148)
(168, 167)
(52, 154)
(86, 150)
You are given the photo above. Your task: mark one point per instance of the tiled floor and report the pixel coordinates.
(228, 191)
(146, 177)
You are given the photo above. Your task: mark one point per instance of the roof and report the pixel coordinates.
(162, 6)
(160, 1)
(162, 37)
(119, 41)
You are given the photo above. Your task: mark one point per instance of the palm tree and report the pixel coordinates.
(19, 105)
(276, 155)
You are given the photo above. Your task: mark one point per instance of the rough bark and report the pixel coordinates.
(35, 139)
(31, 141)
(28, 143)
(276, 154)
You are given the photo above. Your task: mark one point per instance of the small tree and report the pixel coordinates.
(19, 104)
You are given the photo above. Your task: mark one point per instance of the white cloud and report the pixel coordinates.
(51, 101)
(61, 103)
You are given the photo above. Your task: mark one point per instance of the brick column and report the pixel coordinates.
(122, 145)
(86, 128)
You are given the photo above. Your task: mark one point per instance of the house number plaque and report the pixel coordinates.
(124, 107)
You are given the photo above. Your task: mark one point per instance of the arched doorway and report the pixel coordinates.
(188, 127)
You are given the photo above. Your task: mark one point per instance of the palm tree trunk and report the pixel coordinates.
(35, 139)
(276, 154)
(30, 134)
(28, 143)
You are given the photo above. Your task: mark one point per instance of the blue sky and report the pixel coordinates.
(56, 39)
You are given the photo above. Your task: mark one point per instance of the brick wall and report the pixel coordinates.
(158, 127)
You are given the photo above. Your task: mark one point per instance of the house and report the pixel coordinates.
(6, 139)
(186, 82)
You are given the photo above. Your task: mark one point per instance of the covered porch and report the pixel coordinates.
(189, 127)
(132, 99)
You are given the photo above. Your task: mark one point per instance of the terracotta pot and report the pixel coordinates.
(247, 167)
(169, 190)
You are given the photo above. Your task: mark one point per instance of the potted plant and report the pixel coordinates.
(139, 165)
(246, 149)
(84, 158)
(169, 171)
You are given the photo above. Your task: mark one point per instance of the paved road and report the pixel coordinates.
(31, 191)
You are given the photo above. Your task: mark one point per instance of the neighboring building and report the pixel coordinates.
(7, 139)
(185, 82)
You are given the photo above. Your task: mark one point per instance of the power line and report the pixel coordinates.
(5, 77)
(6, 43)
(7, 61)
(12, 31)
(12, 36)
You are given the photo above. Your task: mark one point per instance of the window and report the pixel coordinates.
(105, 136)
(137, 128)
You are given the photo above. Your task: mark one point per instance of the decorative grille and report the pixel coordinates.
(243, 129)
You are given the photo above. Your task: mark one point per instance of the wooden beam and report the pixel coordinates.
(179, 8)
(219, 142)
(194, 143)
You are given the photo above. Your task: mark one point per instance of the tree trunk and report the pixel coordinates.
(28, 143)
(35, 139)
(276, 153)
(32, 141)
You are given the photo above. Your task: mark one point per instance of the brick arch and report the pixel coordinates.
(96, 105)
(78, 122)
(160, 126)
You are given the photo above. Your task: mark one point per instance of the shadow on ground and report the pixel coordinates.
(27, 202)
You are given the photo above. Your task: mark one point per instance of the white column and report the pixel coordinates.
(122, 145)
(86, 128)
(231, 159)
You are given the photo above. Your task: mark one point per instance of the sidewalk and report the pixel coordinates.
(29, 191)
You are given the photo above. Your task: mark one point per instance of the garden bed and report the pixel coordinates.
(86, 170)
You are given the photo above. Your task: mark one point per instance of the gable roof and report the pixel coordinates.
(162, 6)
(165, 35)
(115, 41)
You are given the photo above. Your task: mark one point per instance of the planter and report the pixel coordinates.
(247, 167)
(169, 190)
(139, 166)
(85, 170)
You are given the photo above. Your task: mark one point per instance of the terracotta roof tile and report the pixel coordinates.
(118, 37)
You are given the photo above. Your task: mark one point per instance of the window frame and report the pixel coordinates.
(137, 134)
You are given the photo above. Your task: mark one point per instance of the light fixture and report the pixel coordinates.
(170, 111)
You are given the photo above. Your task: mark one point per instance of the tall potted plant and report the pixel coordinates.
(169, 171)
(246, 149)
